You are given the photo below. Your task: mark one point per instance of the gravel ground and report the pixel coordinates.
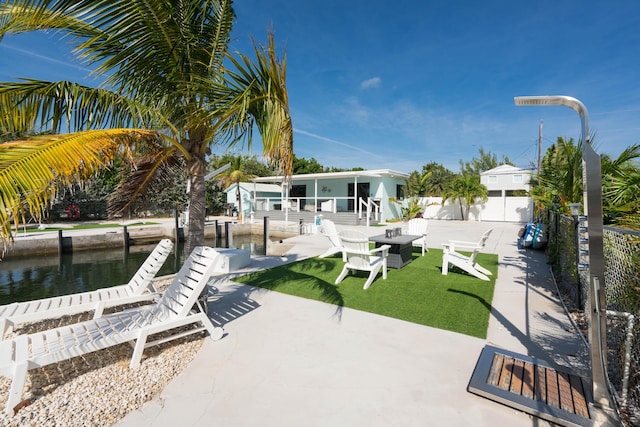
(96, 389)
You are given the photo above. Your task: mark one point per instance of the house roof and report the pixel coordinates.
(506, 170)
(258, 187)
(336, 175)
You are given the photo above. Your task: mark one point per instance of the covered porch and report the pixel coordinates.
(364, 195)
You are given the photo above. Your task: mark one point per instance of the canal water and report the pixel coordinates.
(29, 278)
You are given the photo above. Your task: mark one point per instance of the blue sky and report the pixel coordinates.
(399, 84)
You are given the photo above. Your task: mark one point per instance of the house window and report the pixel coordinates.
(517, 178)
(493, 179)
(400, 192)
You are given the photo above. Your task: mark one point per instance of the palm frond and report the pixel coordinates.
(32, 106)
(257, 94)
(150, 173)
(29, 168)
(23, 16)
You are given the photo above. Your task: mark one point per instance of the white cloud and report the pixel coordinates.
(46, 58)
(333, 141)
(371, 83)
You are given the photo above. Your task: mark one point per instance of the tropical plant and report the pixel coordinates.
(467, 189)
(169, 84)
(621, 187)
(560, 181)
(236, 174)
(414, 185)
(435, 179)
(430, 182)
(412, 209)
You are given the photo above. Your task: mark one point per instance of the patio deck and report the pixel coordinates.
(289, 361)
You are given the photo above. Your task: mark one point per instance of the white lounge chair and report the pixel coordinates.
(140, 288)
(419, 227)
(466, 263)
(329, 230)
(358, 256)
(179, 306)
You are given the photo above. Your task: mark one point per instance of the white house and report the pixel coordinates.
(505, 180)
(255, 196)
(507, 198)
(361, 193)
(371, 194)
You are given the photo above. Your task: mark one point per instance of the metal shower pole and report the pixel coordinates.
(592, 182)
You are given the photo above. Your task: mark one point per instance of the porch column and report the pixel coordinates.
(356, 205)
(315, 197)
(253, 202)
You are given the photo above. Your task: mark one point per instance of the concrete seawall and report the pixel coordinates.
(52, 242)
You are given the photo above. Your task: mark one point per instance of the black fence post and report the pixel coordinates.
(265, 234)
(125, 238)
(60, 245)
(176, 225)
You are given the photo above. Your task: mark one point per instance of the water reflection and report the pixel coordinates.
(25, 279)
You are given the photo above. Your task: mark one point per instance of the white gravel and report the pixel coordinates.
(96, 389)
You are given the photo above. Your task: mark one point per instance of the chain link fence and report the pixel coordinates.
(622, 289)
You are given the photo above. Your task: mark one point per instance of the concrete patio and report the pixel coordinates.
(287, 361)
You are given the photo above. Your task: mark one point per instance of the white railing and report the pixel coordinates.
(303, 204)
(370, 206)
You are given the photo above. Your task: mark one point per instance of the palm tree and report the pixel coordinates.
(235, 175)
(621, 187)
(435, 178)
(560, 179)
(467, 189)
(414, 185)
(169, 85)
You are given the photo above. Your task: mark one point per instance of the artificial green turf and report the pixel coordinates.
(417, 293)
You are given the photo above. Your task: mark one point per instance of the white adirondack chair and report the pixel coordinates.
(140, 288)
(179, 306)
(358, 256)
(450, 256)
(329, 230)
(419, 227)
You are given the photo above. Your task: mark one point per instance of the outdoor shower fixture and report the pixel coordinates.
(593, 260)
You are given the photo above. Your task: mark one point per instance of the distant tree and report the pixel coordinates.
(303, 166)
(235, 175)
(435, 179)
(250, 164)
(430, 182)
(414, 185)
(466, 188)
(484, 162)
(215, 195)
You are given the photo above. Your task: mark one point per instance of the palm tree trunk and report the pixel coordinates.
(461, 211)
(197, 206)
